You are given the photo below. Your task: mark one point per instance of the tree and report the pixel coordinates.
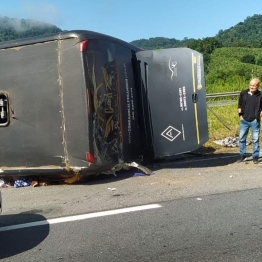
(250, 59)
(259, 61)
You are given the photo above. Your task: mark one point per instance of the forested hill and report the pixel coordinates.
(160, 42)
(245, 34)
(13, 28)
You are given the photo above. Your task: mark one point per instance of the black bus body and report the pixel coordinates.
(81, 100)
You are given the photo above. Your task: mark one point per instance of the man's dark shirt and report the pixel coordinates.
(250, 109)
(250, 105)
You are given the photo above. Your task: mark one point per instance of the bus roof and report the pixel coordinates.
(80, 34)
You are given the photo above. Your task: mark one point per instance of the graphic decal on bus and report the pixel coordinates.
(106, 113)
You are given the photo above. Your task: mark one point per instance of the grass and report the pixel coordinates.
(229, 116)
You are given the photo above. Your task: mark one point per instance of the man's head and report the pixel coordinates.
(254, 85)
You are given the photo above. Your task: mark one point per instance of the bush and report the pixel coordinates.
(250, 59)
(259, 61)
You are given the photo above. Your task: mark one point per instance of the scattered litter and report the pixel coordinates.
(142, 174)
(199, 198)
(230, 142)
(2, 182)
(139, 174)
(22, 183)
(76, 177)
(134, 164)
(127, 169)
(34, 183)
(127, 166)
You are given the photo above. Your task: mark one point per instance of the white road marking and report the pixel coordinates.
(80, 217)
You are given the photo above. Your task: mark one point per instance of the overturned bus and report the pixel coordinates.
(80, 100)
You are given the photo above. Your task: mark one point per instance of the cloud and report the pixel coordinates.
(21, 25)
(107, 7)
(42, 11)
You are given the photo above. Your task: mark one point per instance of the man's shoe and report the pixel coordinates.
(255, 160)
(241, 159)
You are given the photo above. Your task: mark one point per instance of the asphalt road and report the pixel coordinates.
(210, 210)
(223, 227)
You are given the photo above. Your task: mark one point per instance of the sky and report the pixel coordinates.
(137, 19)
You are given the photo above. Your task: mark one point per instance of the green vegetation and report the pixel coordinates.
(217, 131)
(12, 28)
(230, 68)
(244, 34)
(228, 115)
(161, 42)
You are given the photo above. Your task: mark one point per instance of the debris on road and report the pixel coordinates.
(139, 174)
(133, 169)
(129, 170)
(3, 184)
(128, 166)
(23, 182)
(230, 142)
(71, 180)
(27, 181)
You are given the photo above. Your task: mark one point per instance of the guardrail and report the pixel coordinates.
(225, 94)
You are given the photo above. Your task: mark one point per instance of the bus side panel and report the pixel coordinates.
(104, 109)
(128, 106)
(74, 102)
(111, 85)
(29, 77)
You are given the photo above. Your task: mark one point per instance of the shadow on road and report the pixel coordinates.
(14, 242)
(197, 161)
(190, 160)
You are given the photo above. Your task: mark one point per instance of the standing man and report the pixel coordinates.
(249, 111)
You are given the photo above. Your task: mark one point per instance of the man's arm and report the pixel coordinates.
(260, 106)
(240, 101)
